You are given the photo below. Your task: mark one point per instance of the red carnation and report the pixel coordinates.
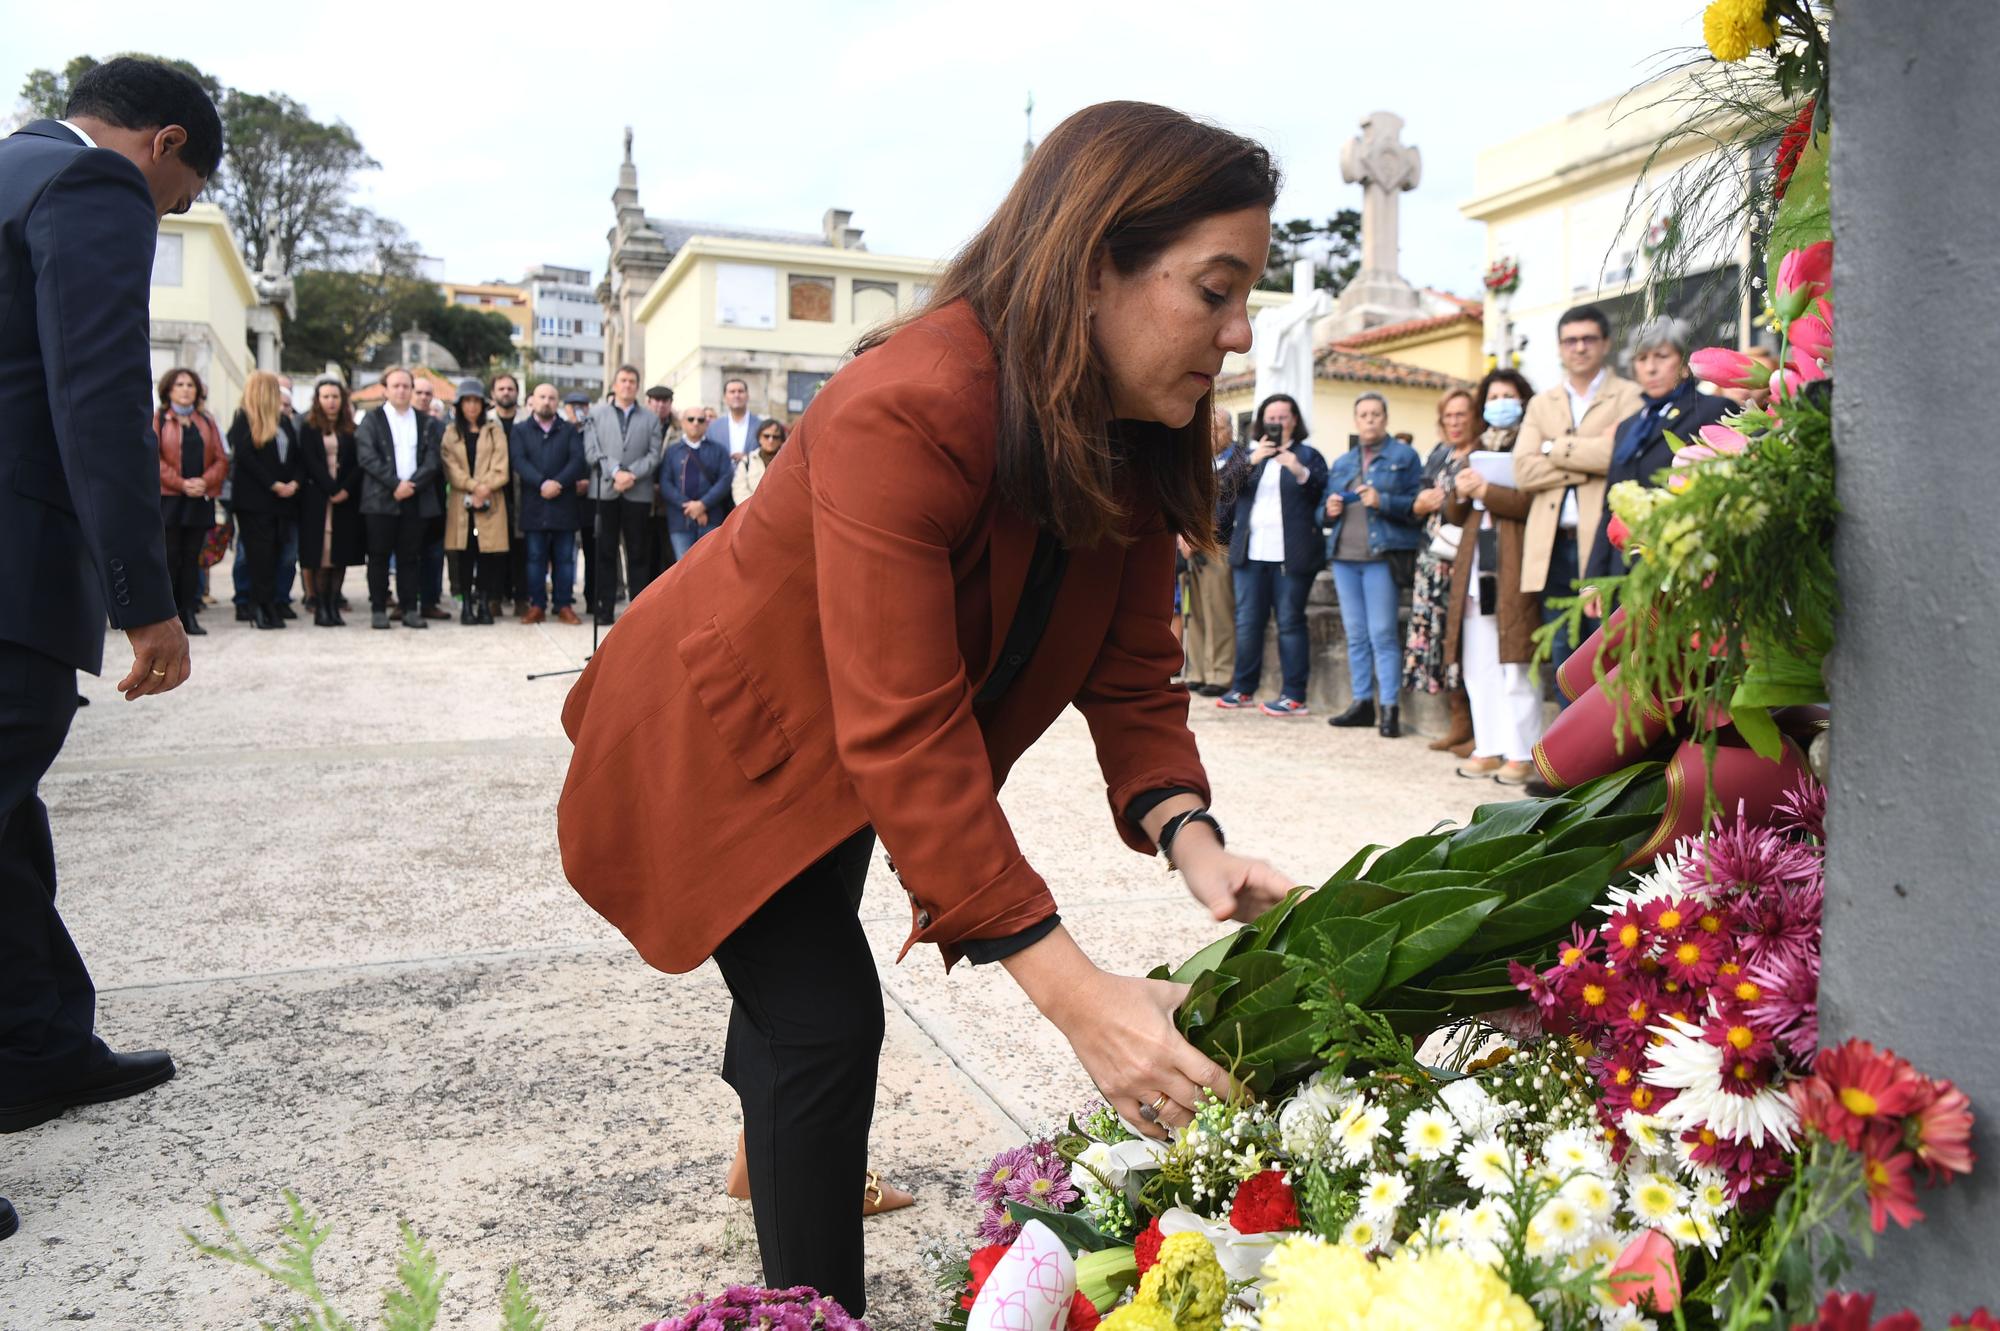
(1978, 1320)
(1617, 533)
(1792, 146)
(981, 1265)
(1082, 1314)
(1146, 1248)
(1264, 1204)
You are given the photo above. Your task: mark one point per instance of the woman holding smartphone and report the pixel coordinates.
(971, 529)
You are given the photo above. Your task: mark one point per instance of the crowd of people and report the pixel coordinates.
(1455, 564)
(498, 491)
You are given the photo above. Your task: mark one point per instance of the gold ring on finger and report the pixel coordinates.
(161, 673)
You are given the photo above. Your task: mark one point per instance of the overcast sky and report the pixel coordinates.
(499, 126)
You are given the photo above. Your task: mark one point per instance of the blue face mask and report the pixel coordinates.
(1504, 413)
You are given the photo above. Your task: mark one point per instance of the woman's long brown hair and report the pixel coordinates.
(1123, 180)
(342, 420)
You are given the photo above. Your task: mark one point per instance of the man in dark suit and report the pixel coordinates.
(401, 452)
(547, 453)
(80, 536)
(736, 428)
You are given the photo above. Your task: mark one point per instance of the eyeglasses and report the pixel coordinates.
(1578, 343)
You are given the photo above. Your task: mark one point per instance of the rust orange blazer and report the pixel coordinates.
(810, 667)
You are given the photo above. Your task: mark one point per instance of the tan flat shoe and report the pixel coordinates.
(877, 1196)
(1481, 768)
(1515, 774)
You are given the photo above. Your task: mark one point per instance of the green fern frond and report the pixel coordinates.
(518, 1309)
(411, 1304)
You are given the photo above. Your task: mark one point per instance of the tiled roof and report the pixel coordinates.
(678, 233)
(1335, 362)
(1469, 311)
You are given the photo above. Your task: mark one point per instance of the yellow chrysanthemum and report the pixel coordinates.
(1313, 1286)
(1187, 1283)
(1445, 1287)
(1139, 1315)
(1735, 28)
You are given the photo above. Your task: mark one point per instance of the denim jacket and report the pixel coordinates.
(1398, 475)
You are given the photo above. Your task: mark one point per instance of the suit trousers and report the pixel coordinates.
(1211, 622)
(805, 1035)
(400, 534)
(258, 534)
(47, 1002)
(620, 520)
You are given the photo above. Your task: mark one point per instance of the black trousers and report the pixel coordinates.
(620, 520)
(478, 574)
(47, 1002)
(402, 534)
(259, 535)
(184, 563)
(805, 1036)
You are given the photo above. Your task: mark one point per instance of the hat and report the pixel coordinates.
(471, 388)
(579, 399)
(660, 393)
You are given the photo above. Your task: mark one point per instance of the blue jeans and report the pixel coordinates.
(1368, 602)
(683, 541)
(546, 548)
(1261, 585)
(288, 565)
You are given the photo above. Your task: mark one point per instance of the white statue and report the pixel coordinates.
(1282, 342)
(1384, 166)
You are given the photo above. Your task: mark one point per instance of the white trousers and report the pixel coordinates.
(1506, 707)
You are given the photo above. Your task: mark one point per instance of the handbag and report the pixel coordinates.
(1444, 540)
(216, 544)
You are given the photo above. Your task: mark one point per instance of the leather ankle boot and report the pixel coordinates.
(1391, 726)
(1460, 731)
(264, 617)
(1360, 714)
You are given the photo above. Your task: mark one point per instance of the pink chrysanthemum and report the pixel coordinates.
(1739, 857)
(992, 1183)
(1043, 1184)
(995, 1227)
(1788, 1004)
(1803, 809)
(1781, 923)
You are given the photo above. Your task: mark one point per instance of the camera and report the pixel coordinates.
(1273, 433)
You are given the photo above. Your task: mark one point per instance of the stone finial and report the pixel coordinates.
(628, 145)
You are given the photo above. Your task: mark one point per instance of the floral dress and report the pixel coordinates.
(1430, 597)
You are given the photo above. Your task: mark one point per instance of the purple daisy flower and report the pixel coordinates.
(1737, 857)
(995, 1227)
(1044, 1184)
(1790, 1005)
(992, 1183)
(1781, 923)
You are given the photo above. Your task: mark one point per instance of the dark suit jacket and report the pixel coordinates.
(810, 668)
(718, 475)
(1640, 451)
(258, 469)
(554, 456)
(80, 534)
(350, 538)
(375, 449)
(1298, 506)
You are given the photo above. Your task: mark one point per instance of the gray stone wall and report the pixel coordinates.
(1912, 932)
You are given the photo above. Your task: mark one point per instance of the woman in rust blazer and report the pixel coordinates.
(971, 529)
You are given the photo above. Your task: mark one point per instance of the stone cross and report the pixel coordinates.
(1384, 166)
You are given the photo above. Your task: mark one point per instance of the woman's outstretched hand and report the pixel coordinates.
(1231, 887)
(1122, 1029)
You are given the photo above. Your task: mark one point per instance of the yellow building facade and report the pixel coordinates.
(780, 316)
(500, 298)
(201, 297)
(1582, 205)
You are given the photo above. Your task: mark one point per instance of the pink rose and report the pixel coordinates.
(1646, 1267)
(1729, 369)
(1716, 441)
(1812, 336)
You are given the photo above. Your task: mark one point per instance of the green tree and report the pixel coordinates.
(480, 339)
(342, 312)
(1331, 245)
(46, 91)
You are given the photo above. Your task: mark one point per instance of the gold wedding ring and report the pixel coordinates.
(161, 673)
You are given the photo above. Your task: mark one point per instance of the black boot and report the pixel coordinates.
(482, 611)
(466, 613)
(1392, 723)
(322, 614)
(266, 617)
(333, 616)
(192, 625)
(1361, 713)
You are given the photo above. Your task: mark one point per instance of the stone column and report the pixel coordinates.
(1912, 912)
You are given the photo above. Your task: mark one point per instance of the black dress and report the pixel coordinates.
(350, 534)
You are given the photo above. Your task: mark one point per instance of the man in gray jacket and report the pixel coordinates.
(622, 443)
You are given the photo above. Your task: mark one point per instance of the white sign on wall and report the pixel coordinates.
(746, 295)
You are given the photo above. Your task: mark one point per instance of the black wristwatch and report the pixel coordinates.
(1180, 820)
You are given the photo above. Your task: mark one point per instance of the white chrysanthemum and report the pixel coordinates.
(1559, 1227)
(1430, 1134)
(1597, 1197)
(1358, 1128)
(1623, 1317)
(1662, 880)
(1647, 1133)
(1486, 1222)
(1475, 1109)
(1382, 1195)
(1682, 1229)
(1605, 1247)
(1574, 1149)
(1693, 1066)
(1654, 1198)
(1487, 1165)
(1362, 1233)
(1709, 1194)
(1446, 1226)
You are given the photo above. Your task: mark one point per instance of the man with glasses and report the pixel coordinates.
(1561, 456)
(695, 481)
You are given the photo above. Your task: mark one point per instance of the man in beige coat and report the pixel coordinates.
(1561, 456)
